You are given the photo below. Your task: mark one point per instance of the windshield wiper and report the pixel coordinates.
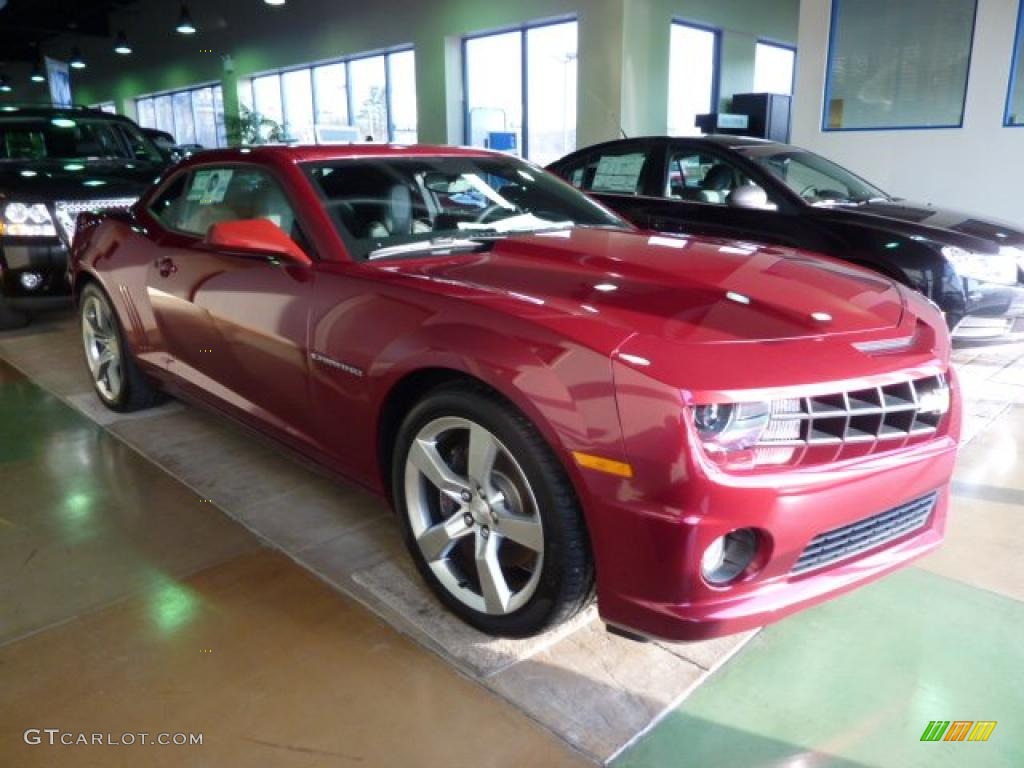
(436, 244)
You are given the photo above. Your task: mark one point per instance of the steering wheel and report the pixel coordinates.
(810, 188)
(486, 215)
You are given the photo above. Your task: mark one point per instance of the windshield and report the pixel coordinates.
(815, 179)
(65, 137)
(398, 206)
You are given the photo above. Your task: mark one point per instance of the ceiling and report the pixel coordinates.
(25, 25)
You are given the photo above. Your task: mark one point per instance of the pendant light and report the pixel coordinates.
(121, 44)
(185, 25)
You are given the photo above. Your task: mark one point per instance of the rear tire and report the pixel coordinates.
(11, 318)
(489, 516)
(116, 377)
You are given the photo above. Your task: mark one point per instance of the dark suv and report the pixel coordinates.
(54, 164)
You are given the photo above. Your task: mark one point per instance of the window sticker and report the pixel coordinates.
(618, 173)
(209, 187)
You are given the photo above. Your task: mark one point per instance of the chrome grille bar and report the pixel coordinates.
(891, 412)
(850, 540)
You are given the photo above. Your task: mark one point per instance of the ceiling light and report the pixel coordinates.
(185, 25)
(121, 44)
(77, 62)
(274, 2)
(37, 75)
(5, 84)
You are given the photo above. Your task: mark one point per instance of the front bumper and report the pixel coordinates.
(658, 590)
(46, 258)
(648, 545)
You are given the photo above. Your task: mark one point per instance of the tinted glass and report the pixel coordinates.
(378, 204)
(815, 179)
(167, 207)
(702, 178)
(65, 138)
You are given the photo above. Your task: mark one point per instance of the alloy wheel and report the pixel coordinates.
(102, 348)
(474, 515)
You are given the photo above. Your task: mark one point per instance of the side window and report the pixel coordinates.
(217, 194)
(702, 178)
(167, 208)
(619, 172)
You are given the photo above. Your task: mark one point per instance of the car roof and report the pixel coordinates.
(717, 139)
(324, 152)
(45, 111)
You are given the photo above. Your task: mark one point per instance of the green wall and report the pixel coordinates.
(624, 49)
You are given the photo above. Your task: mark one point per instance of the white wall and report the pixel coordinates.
(978, 168)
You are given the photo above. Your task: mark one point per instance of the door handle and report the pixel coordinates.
(165, 266)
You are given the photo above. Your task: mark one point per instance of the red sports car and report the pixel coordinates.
(708, 434)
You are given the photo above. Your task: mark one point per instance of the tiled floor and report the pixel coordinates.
(137, 606)
(133, 597)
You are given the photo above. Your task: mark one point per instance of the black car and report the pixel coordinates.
(54, 164)
(749, 189)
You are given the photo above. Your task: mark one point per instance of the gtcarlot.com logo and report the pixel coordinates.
(55, 736)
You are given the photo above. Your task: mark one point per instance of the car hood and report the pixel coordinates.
(43, 181)
(948, 226)
(687, 290)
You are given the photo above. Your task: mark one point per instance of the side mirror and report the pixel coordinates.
(257, 235)
(750, 196)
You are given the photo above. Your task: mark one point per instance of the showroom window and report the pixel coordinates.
(692, 76)
(1015, 97)
(774, 66)
(521, 90)
(193, 116)
(105, 106)
(367, 98)
(898, 65)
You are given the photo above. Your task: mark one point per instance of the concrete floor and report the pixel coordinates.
(129, 602)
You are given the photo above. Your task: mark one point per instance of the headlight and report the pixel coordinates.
(988, 267)
(27, 220)
(731, 426)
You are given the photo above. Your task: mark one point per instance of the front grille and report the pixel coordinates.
(850, 540)
(68, 210)
(856, 422)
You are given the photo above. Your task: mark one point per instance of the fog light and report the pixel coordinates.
(728, 556)
(30, 280)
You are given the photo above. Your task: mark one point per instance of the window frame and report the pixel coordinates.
(1016, 62)
(716, 61)
(786, 47)
(299, 216)
(833, 31)
(385, 53)
(524, 65)
(191, 91)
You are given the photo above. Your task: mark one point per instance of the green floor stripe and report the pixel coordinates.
(856, 682)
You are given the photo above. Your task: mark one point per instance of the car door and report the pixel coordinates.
(696, 186)
(619, 175)
(233, 323)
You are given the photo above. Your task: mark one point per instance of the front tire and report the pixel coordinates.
(116, 377)
(489, 515)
